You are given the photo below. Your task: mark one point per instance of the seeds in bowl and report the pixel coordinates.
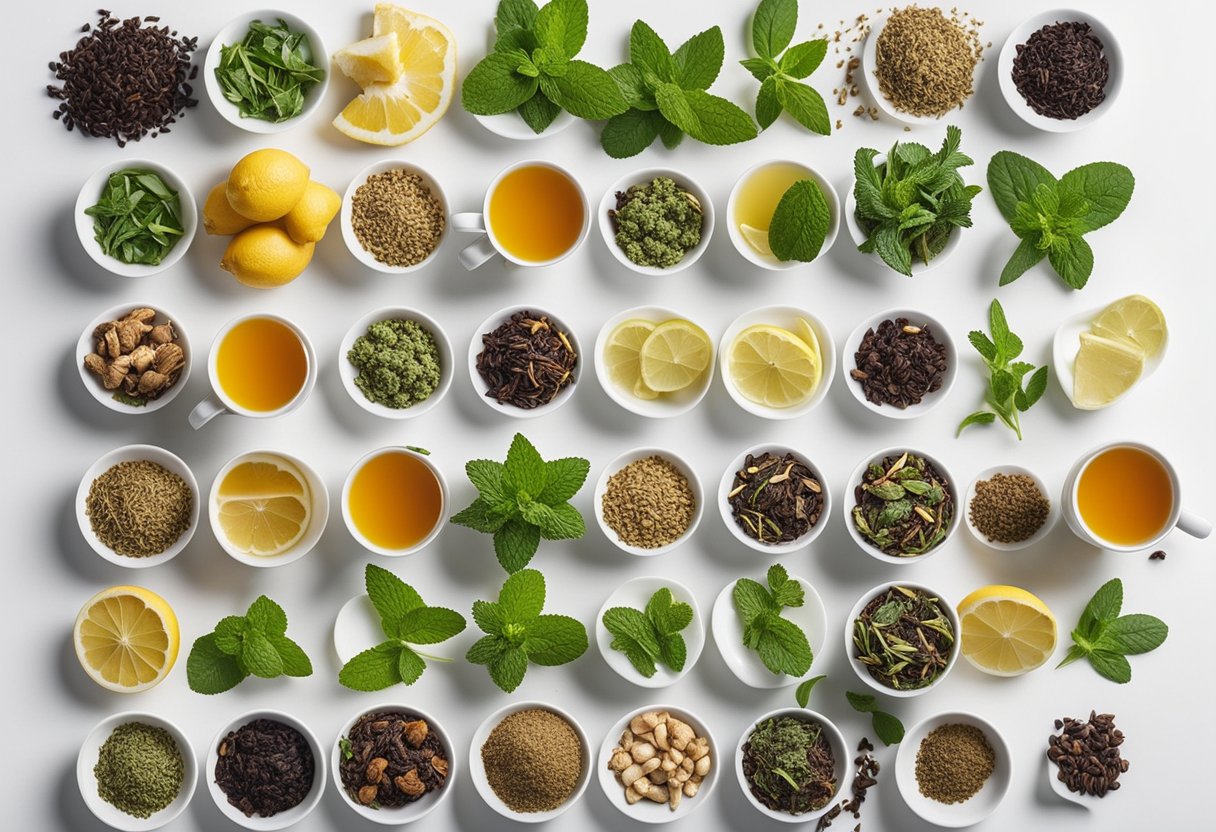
(139, 769)
(904, 638)
(903, 506)
(789, 765)
(660, 758)
(533, 760)
(1008, 508)
(265, 767)
(649, 503)
(1087, 755)
(953, 763)
(899, 363)
(391, 759)
(139, 508)
(398, 363)
(397, 218)
(775, 497)
(526, 361)
(925, 61)
(136, 357)
(657, 223)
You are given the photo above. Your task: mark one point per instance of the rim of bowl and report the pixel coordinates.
(520, 131)
(89, 193)
(695, 645)
(85, 346)
(348, 373)
(869, 54)
(772, 263)
(732, 647)
(481, 388)
(1049, 522)
(644, 175)
(641, 452)
(840, 754)
(776, 549)
(234, 31)
(132, 453)
(941, 334)
(444, 501)
(348, 230)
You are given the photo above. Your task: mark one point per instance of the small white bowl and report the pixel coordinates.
(233, 32)
(769, 262)
(726, 485)
(348, 229)
(91, 191)
(1066, 344)
(647, 811)
(477, 769)
(319, 507)
(601, 488)
(667, 404)
(280, 820)
(400, 815)
(348, 372)
(357, 628)
(511, 126)
(111, 815)
(92, 383)
(868, 66)
(849, 503)
(636, 593)
(941, 334)
(976, 808)
(1022, 33)
(863, 674)
(475, 347)
(787, 318)
(811, 617)
(444, 500)
(134, 453)
(1052, 513)
(840, 754)
(644, 177)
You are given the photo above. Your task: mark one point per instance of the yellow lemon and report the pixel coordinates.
(126, 638)
(265, 256)
(266, 184)
(1105, 369)
(773, 366)
(622, 352)
(218, 214)
(1006, 630)
(374, 60)
(757, 238)
(1134, 320)
(307, 220)
(674, 356)
(264, 505)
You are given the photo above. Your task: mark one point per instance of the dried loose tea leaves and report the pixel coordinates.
(903, 506)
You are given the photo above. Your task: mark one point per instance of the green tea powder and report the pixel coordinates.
(139, 769)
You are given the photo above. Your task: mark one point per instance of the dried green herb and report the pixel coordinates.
(904, 638)
(138, 218)
(903, 506)
(789, 765)
(269, 72)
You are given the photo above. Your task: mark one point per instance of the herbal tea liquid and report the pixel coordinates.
(536, 213)
(1125, 496)
(760, 193)
(261, 364)
(395, 500)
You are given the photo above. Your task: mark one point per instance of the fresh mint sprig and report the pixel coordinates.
(779, 642)
(1010, 393)
(887, 726)
(653, 635)
(780, 70)
(253, 644)
(1107, 638)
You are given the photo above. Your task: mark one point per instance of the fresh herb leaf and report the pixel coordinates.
(268, 74)
(138, 218)
(1010, 392)
(1107, 638)
(780, 75)
(647, 638)
(392, 598)
(800, 223)
(802, 694)
(295, 661)
(376, 668)
(781, 645)
(254, 644)
(696, 64)
(773, 26)
(631, 132)
(887, 726)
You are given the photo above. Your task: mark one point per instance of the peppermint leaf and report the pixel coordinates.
(524, 472)
(585, 90)
(258, 656)
(1105, 186)
(430, 625)
(494, 86)
(410, 665)
(630, 133)
(888, 727)
(800, 224)
(515, 14)
(229, 634)
(267, 616)
(648, 52)
(768, 106)
(515, 544)
(1073, 262)
(980, 417)
(698, 61)
(562, 24)
(1024, 257)
(752, 601)
(1013, 178)
(773, 26)
(481, 515)
(521, 598)
(666, 614)
(1111, 665)
(803, 692)
(564, 478)
(761, 68)
(784, 648)
(643, 662)
(508, 668)
(1134, 634)
(392, 597)
(486, 476)
(673, 651)
(862, 702)
(670, 135)
(718, 121)
(562, 522)
(376, 668)
(805, 105)
(486, 649)
(295, 660)
(629, 623)
(538, 112)
(210, 670)
(800, 60)
(489, 617)
(633, 86)
(1104, 606)
(555, 640)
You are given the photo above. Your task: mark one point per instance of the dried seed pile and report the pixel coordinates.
(533, 760)
(1087, 754)
(526, 361)
(925, 61)
(1008, 508)
(265, 767)
(899, 363)
(139, 508)
(953, 763)
(865, 777)
(1061, 70)
(775, 498)
(649, 503)
(396, 217)
(391, 758)
(124, 79)
(139, 769)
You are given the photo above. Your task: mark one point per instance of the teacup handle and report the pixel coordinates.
(1194, 525)
(477, 253)
(205, 411)
(468, 222)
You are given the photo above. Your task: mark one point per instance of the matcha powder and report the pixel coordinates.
(139, 769)
(398, 363)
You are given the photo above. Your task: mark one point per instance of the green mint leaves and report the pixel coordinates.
(1051, 217)
(911, 203)
(651, 636)
(532, 69)
(406, 621)
(253, 644)
(267, 74)
(1010, 391)
(1107, 638)
(802, 694)
(779, 642)
(800, 223)
(517, 633)
(524, 500)
(667, 98)
(780, 70)
(887, 726)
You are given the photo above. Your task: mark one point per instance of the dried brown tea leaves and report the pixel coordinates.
(392, 758)
(1087, 754)
(904, 638)
(1061, 70)
(903, 506)
(899, 363)
(526, 361)
(265, 767)
(775, 498)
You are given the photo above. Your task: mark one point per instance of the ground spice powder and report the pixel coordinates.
(1008, 508)
(139, 769)
(953, 763)
(397, 218)
(925, 61)
(649, 503)
(533, 760)
(139, 508)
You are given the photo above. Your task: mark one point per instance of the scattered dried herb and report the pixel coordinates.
(775, 499)
(526, 361)
(1061, 70)
(657, 223)
(533, 760)
(265, 767)
(899, 363)
(136, 357)
(397, 218)
(139, 769)
(649, 503)
(789, 765)
(953, 762)
(139, 508)
(137, 218)
(925, 61)
(1157, 555)
(269, 72)
(390, 759)
(1087, 754)
(398, 363)
(904, 638)
(904, 506)
(1008, 508)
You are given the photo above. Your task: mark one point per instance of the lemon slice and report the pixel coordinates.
(643, 392)
(374, 60)
(126, 638)
(1006, 630)
(622, 352)
(806, 332)
(773, 366)
(674, 356)
(1136, 321)
(264, 506)
(1105, 369)
(757, 238)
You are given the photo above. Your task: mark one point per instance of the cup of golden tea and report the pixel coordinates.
(535, 214)
(394, 501)
(260, 366)
(1125, 496)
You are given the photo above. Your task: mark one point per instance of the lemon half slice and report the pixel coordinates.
(1134, 320)
(1006, 631)
(263, 506)
(126, 638)
(674, 356)
(773, 366)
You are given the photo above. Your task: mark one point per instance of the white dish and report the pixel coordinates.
(511, 126)
(87, 344)
(769, 262)
(869, 64)
(348, 229)
(475, 347)
(444, 500)
(348, 372)
(644, 177)
(1009, 470)
(726, 485)
(1066, 344)
(941, 334)
(601, 488)
(953, 815)
(636, 593)
(841, 755)
(357, 628)
(1062, 790)
(811, 617)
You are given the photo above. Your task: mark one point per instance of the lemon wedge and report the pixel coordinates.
(1105, 369)
(126, 638)
(264, 505)
(757, 238)
(374, 60)
(1006, 631)
(622, 352)
(1136, 321)
(674, 356)
(773, 366)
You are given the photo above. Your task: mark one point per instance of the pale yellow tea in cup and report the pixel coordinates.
(261, 365)
(1125, 496)
(536, 213)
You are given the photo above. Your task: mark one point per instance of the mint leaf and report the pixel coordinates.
(888, 727)
(1073, 261)
(1024, 257)
(805, 105)
(673, 651)
(538, 112)
(802, 694)
(863, 702)
(409, 665)
(1036, 386)
(1134, 634)
(524, 472)
(1012, 178)
(489, 617)
(560, 523)
(800, 224)
(482, 516)
(752, 601)
(633, 86)
(554, 640)
(1105, 186)
(643, 661)
(509, 40)
(670, 135)
(430, 625)
(1075, 652)
(698, 61)
(801, 60)
(630, 133)
(562, 24)
(267, 616)
(295, 661)
(564, 478)
(1111, 665)
(717, 121)
(486, 476)
(258, 656)
(773, 26)
(1102, 607)
(1106, 638)
(768, 106)
(494, 86)
(585, 91)
(229, 634)
(629, 623)
(666, 614)
(980, 417)
(486, 649)
(648, 52)
(513, 14)
(508, 668)
(515, 544)
(209, 670)
(392, 597)
(761, 68)
(783, 647)
(521, 598)
(376, 668)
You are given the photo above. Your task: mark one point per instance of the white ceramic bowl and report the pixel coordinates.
(400, 815)
(511, 126)
(233, 32)
(357, 628)
(475, 347)
(667, 404)
(133, 453)
(848, 503)
(348, 372)
(281, 820)
(601, 488)
(644, 177)
(726, 485)
(1066, 344)
(769, 262)
(444, 500)
(811, 617)
(1022, 33)
(785, 317)
(864, 675)
(868, 65)
(976, 808)
(92, 383)
(91, 191)
(647, 811)
(477, 769)
(941, 334)
(636, 593)
(1052, 513)
(111, 815)
(318, 504)
(348, 229)
(841, 754)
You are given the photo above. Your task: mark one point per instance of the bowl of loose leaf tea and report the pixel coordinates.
(953, 769)
(900, 363)
(791, 764)
(902, 638)
(904, 506)
(524, 362)
(656, 221)
(396, 362)
(773, 500)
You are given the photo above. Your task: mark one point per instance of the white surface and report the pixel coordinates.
(55, 429)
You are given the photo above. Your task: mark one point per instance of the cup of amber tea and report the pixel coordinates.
(535, 214)
(1125, 496)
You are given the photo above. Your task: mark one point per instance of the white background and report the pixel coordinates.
(1161, 127)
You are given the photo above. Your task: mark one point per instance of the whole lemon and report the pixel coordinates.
(266, 184)
(265, 256)
(307, 221)
(218, 215)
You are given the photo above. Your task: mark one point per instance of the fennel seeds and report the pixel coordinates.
(139, 508)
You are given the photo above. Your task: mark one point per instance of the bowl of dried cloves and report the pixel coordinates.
(134, 359)
(773, 500)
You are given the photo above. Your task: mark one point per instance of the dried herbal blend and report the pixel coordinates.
(391, 758)
(268, 73)
(925, 61)
(397, 218)
(139, 508)
(657, 223)
(953, 763)
(265, 767)
(660, 758)
(1008, 508)
(398, 363)
(1087, 754)
(533, 760)
(899, 363)
(903, 506)
(1061, 70)
(789, 765)
(136, 357)
(649, 503)
(526, 361)
(775, 498)
(904, 638)
(139, 769)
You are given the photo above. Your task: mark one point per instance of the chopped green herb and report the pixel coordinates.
(268, 73)
(138, 218)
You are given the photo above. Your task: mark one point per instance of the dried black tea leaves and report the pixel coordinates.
(899, 363)
(775, 497)
(526, 361)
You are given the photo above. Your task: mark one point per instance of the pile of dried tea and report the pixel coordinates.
(533, 760)
(1087, 754)
(1008, 508)
(953, 763)
(396, 217)
(526, 361)
(1061, 70)
(865, 777)
(775, 498)
(139, 508)
(265, 767)
(903, 637)
(903, 506)
(649, 503)
(391, 758)
(139, 769)
(398, 363)
(925, 61)
(789, 765)
(899, 363)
